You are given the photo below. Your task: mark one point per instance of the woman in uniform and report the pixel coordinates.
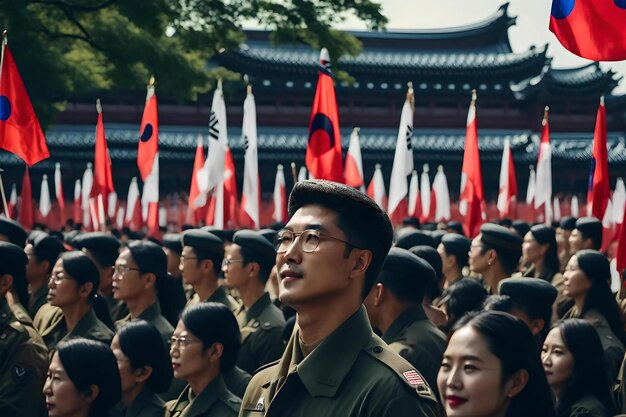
(574, 364)
(205, 342)
(144, 372)
(83, 380)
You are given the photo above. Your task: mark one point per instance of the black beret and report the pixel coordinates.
(222, 234)
(101, 242)
(456, 244)
(543, 234)
(12, 256)
(411, 221)
(590, 227)
(528, 290)
(268, 234)
(568, 223)
(13, 231)
(149, 257)
(407, 238)
(46, 246)
(500, 237)
(431, 256)
(406, 274)
(437, 235)
(521, 227)
(254, 242)
(456, 227)
(172, 242)
(505, 222)
(203, 241)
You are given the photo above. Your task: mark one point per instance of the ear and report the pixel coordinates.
(151, 280)
(91, 393)
(492, 256)
(85, 289)
(142, 374)
(536, 326)
(361, 263)
(254, 269)
(207, 264)
(380, 293)
(6, 281)
(215, 352)
(516, 383)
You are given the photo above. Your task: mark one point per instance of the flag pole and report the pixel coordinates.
(293, 173)
(4, 44)
(4, 197)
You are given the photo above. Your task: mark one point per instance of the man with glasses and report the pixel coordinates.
(328, 257)
(247, 266)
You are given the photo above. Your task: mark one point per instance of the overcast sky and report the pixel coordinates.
(531, 28)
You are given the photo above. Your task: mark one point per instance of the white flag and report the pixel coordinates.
(425, 192)
(44, 197)
(403, 158)
(58, 185)
(442, 195)
(86, 191)
(376, 189)
(543, 187)
(530, 191)
(280, 196)
(132, 199)
(574, 206)
(353, 171)
(250, 196)
(119, 219)
(619, 201)
(302, 174)
(112, 204)
(162, 217)
(607, 220)
(414, 199)
(556, 208)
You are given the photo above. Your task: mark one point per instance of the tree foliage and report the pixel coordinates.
(68, 48)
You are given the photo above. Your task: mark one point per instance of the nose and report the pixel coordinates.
(454, 380)
(546, 360)
(294, 251)
(51, 283)
(47, 387)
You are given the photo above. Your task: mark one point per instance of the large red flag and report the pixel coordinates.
(195, 214)
(27, 213)
(148, 160)
(472, 198)
(102, 175)
(621, 246)
(20, 132)
(592, 29)
(323, 152)
(599, 188)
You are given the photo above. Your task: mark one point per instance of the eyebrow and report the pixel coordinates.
(466, 358)
(312, 226)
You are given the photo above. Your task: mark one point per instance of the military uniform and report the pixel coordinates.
(23, 366)
(219, 296)
(588, 406)
(351, 373)
(419, 341)
(152, 315)
(261, 334)
(236, 380)
(37, 300)
(214, 401)
(146, 404)
(88, 327)
(47, 316)
(117, 308)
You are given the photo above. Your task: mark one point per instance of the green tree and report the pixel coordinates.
(67, 48)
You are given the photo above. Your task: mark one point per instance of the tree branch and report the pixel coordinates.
(77, 7)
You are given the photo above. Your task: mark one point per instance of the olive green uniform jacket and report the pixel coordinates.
(589, 406)
(117, 308)
(351, 373)
(261, 334)
(152, 315)
(146, 404)
(23, 366)
(214, 401)
(36, 300)
(88, 327)
(219, 296)
(47, 316)
(419, 341)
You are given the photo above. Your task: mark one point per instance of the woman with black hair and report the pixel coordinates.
(73, 288)
(83, 380)
(144, 372)
(205, 343)
(491, 368)
(464, 296)
(587, 278)
(573, 361)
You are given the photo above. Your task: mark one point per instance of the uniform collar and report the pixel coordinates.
(6, 316)
(203, 401)
(404, 320)
(145, 397)
(257, 308)
(85, 324)
(219, 296)
(151, 313)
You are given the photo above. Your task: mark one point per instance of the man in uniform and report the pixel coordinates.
(247, 266)
(328, 257)
(42, 251)
(200, 264)
(586, 235)
(23, 354)
(394, 306)
(17, 296)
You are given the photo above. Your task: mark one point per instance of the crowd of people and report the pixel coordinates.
(330, 314)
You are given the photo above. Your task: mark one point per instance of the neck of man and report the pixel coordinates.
(206, 287)
(251, 292)
(199, 382)
(129, 395)
(74, 313)
(139, 304)
(390, 314)
(494, 274)
(35, 284)
(452, 276)
(317, 319)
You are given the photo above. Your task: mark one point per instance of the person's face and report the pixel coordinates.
(62, 399)
(576, 282)
(188, 358)
(576, 241)
(63, 290)
(478, 261)
(558, 361)
(531, 249)
(562, 238)
(173, 261)
(34, 269)
(128, 281)
(320, 275)
(127, 374)
(470, 377)
(236, 274)
(190, 267)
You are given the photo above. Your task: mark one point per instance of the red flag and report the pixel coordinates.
(194, 214)
(376, 189)
(323, 151)
(599, 188)
(102, 176)
(592, 29)
(354, 162)
(148, 160)
(12, 202)
(20, 132)
(472, 198)
(78, 207)
(27, 213)
(621, 246)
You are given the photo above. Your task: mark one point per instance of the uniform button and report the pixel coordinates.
(377, 349)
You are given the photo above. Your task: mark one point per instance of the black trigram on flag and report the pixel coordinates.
(214, 130)
(409, 135)
(246, 144)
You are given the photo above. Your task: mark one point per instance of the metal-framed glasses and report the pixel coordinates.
(122, 269)
(309, 240)
(227, 262)
(57, 278)
(182, 342)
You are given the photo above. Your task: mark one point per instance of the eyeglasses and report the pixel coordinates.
(57, 278)
(309, 239)
(227, 262)
(182, 342)
(184, 258)
(122, 269)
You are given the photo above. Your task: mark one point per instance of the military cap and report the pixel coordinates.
(407, 238)
(406, 275)
(431, 256)
(256, 243)
(505, 222)
(568, 223)
(268, 234)
(437, 235)
(45, 246)
(591, 228)
(455, 227)
(222, 234)
(69, 237)
(13, 231)
(456, 244)
(172, 242)
(103, 246)
(12, 256)
(203, 241)
(411, 221)
(528, 290)
(149, 257)
(500, 237)
(543, 234)
(521, 227)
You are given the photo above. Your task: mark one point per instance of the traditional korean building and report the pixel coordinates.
(443, 64)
